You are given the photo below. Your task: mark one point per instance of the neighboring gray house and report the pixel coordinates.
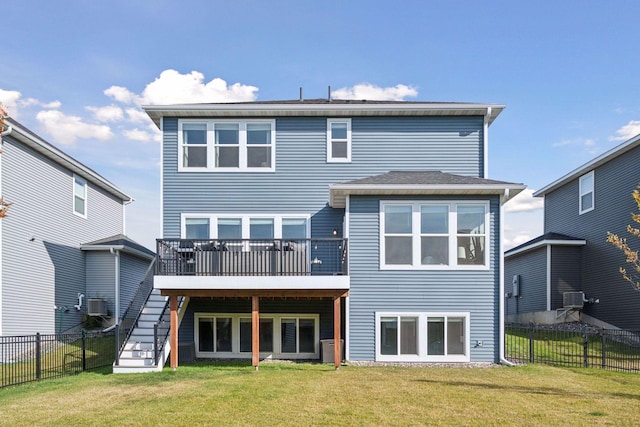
(288, 223)
(59, 204)
(573, 254)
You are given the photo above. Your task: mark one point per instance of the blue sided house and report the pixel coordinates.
(330, 229)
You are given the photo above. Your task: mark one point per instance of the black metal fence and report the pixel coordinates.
(37, 357)
(583, 346)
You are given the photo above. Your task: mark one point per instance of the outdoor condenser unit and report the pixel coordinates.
(573, 299)
(96, 307)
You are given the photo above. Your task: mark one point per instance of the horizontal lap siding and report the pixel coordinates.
(614, 182)
(532, 268)
(301, 181)
(101, 277)
(565, 277)
(49, 271)
(375, 290)
(132, 271)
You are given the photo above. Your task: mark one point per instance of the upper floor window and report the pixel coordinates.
(587, 193)
(427, 235)
(252, 226)
(79, 196)
(338, 140)
(226, 145)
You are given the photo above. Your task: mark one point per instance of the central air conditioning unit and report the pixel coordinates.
(96, 307)
(573, 299)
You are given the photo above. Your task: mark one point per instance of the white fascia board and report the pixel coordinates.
(591, 165)
(155, 112)
(338, 192)
(545, 243)
(276, 283)
(122, 248)
(49, 151)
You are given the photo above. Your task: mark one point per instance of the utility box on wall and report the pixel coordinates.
(516, 285)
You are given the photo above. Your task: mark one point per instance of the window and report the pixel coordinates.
(587, 193)
(194, 145)
(433, 235)
(226, 145)
(280, 335)
(79, 196)
(338, 140)
(196, 228)
(237, 227)
(422, 337)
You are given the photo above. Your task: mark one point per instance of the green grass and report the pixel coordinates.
(60, 360)
(311, 394)
(567, 348)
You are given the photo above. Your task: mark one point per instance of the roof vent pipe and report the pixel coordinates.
(301, 98)
(329, 93)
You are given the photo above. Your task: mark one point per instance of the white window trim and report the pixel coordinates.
(84, 197)
(242, 145)
(330, 158)
(277, 343)
(453, 235)
(213, 223)
(422, 355)
(582, 192)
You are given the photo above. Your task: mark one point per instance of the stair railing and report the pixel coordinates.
(162, 328)
(132, 314)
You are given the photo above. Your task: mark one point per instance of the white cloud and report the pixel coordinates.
(140, 135)
(524, 202)
(135, 115)
(109, 113)
(67, 129)
(10, 100)
(587, 144)
(375, 93)
(171, 87)
(517, 239)
(122, 94)
(52, 105)
(627, 131)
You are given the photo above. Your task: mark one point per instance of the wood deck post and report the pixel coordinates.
(255, 331)
(173, 306)
(337, 351)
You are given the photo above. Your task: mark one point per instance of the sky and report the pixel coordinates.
(77, 72)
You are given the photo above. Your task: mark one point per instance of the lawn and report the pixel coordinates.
(313, 394)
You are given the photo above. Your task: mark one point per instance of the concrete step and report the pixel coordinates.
(137, 354)
(135, 369)
(124, 361)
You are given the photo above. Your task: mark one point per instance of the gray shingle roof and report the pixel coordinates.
(120, 240)
(423, 178)
(550, 238)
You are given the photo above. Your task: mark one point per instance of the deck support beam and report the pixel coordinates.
(173, 306)
(337, 351)
(255, 331)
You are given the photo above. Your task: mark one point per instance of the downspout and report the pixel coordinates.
(485, 143)
(116, 253)
(503, 200)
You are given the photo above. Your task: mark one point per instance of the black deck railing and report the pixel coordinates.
(37, 357)
(583, 346)
(250, 257)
